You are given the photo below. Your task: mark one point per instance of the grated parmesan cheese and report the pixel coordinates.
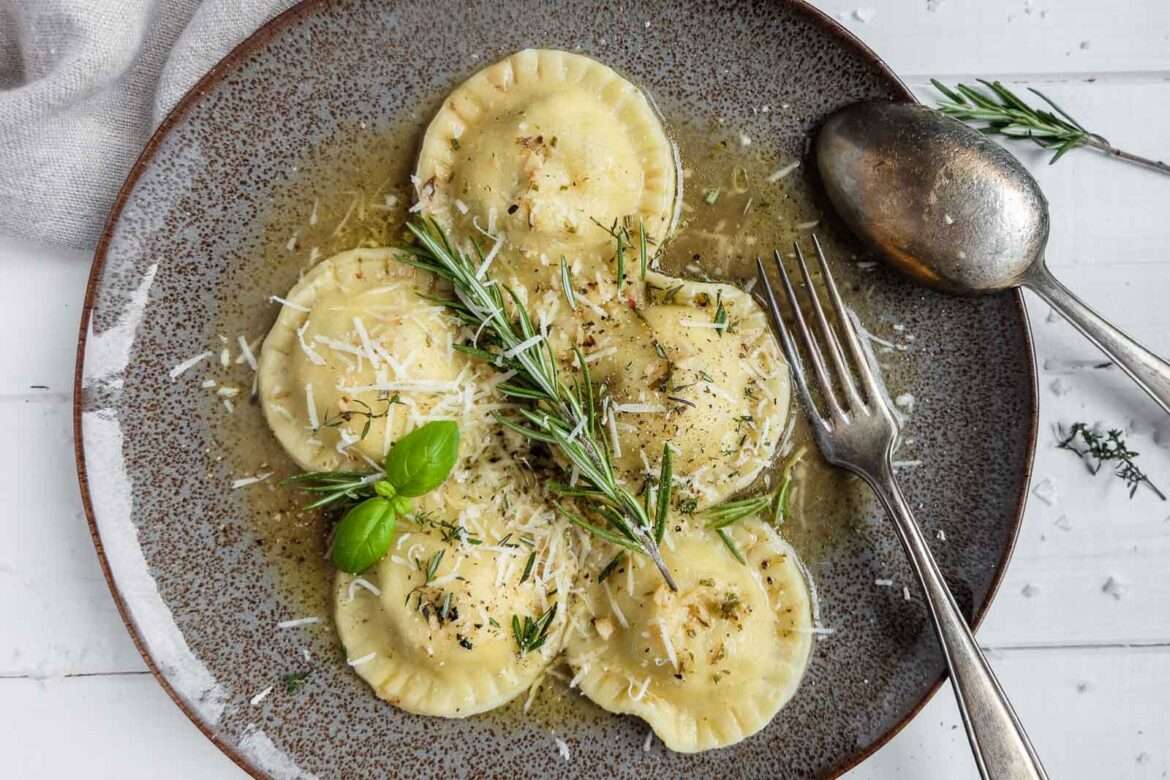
(780, 173)
(667, 644)
(298, 622)
(312, 354)
(188, 364)
(523, 346)
(289, 304)
(689, 323)
(311, 407)
(365, 659)
(245, 481)
(246, 352)
(364, 336)
(261, 696)
(359, 582)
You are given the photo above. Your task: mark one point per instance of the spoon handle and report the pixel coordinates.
(1147, 369)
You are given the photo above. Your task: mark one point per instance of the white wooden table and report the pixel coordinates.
(1088, 666)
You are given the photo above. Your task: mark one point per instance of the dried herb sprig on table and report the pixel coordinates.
(1096, 450)
(1004, 113)
(564, 414)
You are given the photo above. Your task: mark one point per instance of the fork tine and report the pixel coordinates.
(789, 346)
(834, 346)
(810, 340)
(860, 359)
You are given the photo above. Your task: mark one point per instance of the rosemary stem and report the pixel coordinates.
(1101, 145)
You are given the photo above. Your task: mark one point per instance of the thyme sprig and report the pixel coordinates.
(337, 420)
(563, 413)
(1097, 450)
(1002, 112)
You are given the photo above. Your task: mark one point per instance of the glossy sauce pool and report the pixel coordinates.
(355, 190)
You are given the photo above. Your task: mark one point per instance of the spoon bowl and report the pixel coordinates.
(956, 211)
(942, 202)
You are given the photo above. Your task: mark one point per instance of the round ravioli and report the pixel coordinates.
(537, 150)
(430, 627)
(695, 365)
(357, 357)
(710, 664)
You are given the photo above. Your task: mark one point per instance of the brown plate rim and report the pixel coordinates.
(250, 44)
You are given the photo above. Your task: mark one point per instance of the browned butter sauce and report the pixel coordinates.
(354, 190)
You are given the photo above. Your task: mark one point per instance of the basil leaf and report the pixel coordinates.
(420, 461)
(363, 536)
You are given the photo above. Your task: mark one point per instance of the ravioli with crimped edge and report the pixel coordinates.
(691, 363)
(433, 635)
(706, 666)
(538, 148)
(358, 356)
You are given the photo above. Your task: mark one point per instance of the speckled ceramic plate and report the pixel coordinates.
(191, 245)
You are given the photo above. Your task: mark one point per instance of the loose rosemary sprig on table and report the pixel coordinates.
(1004, 113)
(563, 415)
(1095, 450)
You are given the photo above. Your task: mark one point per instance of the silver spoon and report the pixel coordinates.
(956, 211)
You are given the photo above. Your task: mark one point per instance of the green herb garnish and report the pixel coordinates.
(720, 315)
(1002, 112)
(530, 634)
(711, 196)
(295, 681)
(665, 485)
(610, 567)
(1096, 450)
(433, 565)
(337, 420)
(417, 464)
(726, 538)
(528, 566)
(563, 413)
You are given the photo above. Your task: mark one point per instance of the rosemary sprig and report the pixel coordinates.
(720, 517)
(530, 634)
(1096, 450)
(562, 415)
(339, 488)
(1004, 113)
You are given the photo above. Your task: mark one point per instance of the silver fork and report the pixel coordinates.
(858, 433)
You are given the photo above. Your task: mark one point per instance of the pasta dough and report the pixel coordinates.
(537, 149)
(720, 396)
(357, 346)
(445, 646)
(709, 665)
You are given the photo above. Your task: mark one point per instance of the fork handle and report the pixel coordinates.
(1002, 750)
(1150, 372)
